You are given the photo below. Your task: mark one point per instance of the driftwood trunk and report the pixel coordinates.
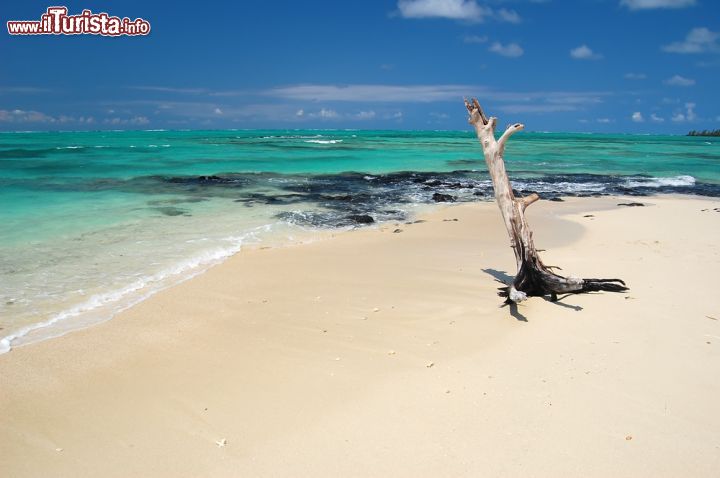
(533, 277)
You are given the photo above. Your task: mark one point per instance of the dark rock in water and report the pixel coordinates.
(631, 204)
(438, 197)
(172, 211)
(432, 182)
(361, 218)
(344, 197)
(556, 199)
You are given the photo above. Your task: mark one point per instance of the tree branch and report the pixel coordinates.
(511, 130)
(476, 112)
(528, 200)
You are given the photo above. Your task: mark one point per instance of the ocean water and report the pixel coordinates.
(92, 222)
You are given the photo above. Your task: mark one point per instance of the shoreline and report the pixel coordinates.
(300, 236)
(282, 354)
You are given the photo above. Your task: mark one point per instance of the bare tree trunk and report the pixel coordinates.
(533, 277)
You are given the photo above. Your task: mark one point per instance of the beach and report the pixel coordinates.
(385, 351)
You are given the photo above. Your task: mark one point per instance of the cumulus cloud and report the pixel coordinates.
(635, 76)
(678, 80)
(510, 16)
(583, 52)
(698, 40)
(656, 118)
(365, 115)
(466, 10)
(638, 117)
(299, 113)
(511, 50)
(652, 4)
(327, 113)
(25, 116)
(687, 115)
(134, 121)
(217, 111)
(451, 9)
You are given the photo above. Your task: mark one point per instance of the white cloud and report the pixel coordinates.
(327, 114)
(218, 111)
(372, 93)
(635, 76)
(510, 16)
(136, 120)
(678, 118)
(511, 50)
(698, 40)
(656, 118)
(690, 111)
(651, 4)
(604, 120)
(451, 9)
(507, 101)
(467, 10)
(475, 39)
(678, 80)
(25, 116)
(583, 52)
(300, 113)
(687, 115)
(638, 117)
(365, 115)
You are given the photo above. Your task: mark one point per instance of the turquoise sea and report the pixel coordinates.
(92, 222)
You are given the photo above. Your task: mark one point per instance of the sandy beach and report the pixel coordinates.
(383, 353)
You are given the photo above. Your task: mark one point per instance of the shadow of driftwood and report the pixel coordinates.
(500, 276)
(515, 312)
(505, 279)
(557, 302)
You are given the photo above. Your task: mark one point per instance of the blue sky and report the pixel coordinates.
(584, 65)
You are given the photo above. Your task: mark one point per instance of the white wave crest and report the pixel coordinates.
(682, 180)
(324, 141)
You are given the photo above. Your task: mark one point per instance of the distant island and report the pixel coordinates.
(705, 132)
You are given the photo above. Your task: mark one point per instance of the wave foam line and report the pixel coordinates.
(202, 262)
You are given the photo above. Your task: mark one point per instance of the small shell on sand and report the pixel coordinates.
(221, 443)
(430, 364)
